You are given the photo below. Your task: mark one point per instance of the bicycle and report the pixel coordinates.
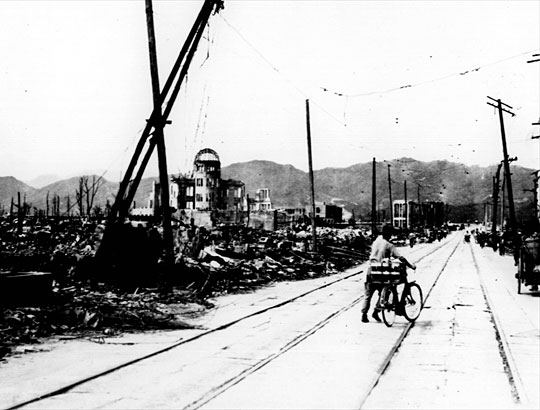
(391, 274)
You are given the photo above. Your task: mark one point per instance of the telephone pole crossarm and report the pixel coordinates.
(506, 162)
(535, 60)
(503, 109)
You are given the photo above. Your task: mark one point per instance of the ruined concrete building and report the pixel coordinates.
(262, 201)
(425, 214)
(203, 189)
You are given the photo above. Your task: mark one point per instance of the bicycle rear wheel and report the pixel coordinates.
(388, 305)
(412, 301)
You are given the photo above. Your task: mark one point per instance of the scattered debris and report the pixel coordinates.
(208, 263)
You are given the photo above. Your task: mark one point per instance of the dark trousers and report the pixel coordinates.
(370, 289)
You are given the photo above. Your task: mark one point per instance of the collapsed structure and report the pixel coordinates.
(202, 195)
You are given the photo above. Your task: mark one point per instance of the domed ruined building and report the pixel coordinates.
(203, 189)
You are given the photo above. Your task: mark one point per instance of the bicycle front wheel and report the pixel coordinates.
(389, 301)
(412, 302)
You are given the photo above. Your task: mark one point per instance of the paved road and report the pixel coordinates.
(475, 345)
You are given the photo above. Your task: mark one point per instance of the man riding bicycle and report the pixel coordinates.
(380, 249)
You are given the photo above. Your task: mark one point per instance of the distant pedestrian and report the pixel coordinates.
(381, 248)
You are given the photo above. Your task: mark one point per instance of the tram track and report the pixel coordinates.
(509, 370)
(225, 385)
(230, 383)
(386, 362)
(514, 378)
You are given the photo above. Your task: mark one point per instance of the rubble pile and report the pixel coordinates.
(208, 262)
(102, 310)
(47, 245)
(232, 259)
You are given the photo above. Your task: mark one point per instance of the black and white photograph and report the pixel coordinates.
(269, 204)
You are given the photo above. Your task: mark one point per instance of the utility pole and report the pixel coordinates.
(420, 207)
(160, 139)
(248, 210)
(535, 137)
(535, 198)
(535, 201)
(503, 200)
(390, 195)
(507, 175)
(129, 184)
(311, 181)
(406, 209)
(20, 214)
(373, 200)
(496, 178)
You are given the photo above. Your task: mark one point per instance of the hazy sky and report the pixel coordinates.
(413, 79)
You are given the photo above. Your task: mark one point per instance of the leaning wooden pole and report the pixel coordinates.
(183, 73)
(117, 212)
(506, 163)
(311, 181)
(507, 175)
(160, 139)
(120, 208)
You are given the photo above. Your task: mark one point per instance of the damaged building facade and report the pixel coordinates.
(202, 189)
(204, 198)
(415, 215)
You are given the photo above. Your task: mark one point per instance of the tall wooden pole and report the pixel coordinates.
(496, 179)
(535, 192)
(507, 175)
(119, 209)
(174, 94)
(420, 207)
(503, 200)
(536, 221)
(124, 198)
(406, 209)
(19, 214)
(160, 139)
(311, 181)
(390, 195)
(374, 200)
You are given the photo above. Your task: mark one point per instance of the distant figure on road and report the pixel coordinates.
(381, 248)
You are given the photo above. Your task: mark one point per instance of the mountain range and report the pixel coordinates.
(464, 188)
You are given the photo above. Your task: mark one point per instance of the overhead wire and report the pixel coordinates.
(200, 127)
(279, 72)
(445, 77)
(347, 96)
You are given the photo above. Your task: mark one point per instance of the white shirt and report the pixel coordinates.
(381, 249)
